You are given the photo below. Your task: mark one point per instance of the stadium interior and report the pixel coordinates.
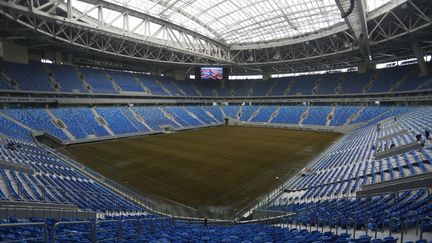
(216, 121)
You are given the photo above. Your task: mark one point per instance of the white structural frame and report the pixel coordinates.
(345, 44)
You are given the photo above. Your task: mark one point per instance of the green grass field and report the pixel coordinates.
(212, 167)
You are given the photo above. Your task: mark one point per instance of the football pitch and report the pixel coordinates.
(212, 167)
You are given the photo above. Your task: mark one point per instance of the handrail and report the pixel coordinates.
(93, 230)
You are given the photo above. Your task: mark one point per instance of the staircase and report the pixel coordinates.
(251, 88)
(53, 82)
(60, 124)
(178, 88)
(163, 87)
(425, 83)
(338, 88)
(354, 116)
(193, 116)
(139, 118)
(102, 121)
(210, 115)
(288, 90)
(370, 83)
(197, 90)
(254, 114)
(141, 83)
(10, 82)
(304, 115)
(398, 83)
(114, 84)
(274, 114)
(316, 87)
(269, 92)
(84, 81)
(239, 113)
(233, 93)
(330, 115)
(222, 111)
(17, 122)
(169, 116)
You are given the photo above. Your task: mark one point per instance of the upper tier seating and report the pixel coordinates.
(98, 80)
(260, 88)
(4, 84)
(34, 77)
(389, 77)
(67, 78)
(28, 76)
(303, 85)
(280, 86)
(187, 87)
(151, 84)
(242, 87)
(328, 83)
(126, 81)
(354, 83)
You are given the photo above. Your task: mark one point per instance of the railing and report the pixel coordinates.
(395, 227)
(130, 229)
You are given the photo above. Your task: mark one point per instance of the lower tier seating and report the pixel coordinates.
(157, 229)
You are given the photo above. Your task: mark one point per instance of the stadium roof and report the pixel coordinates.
(235, 21)
(275, 36)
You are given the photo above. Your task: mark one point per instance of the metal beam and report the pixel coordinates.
(56, 12)
(333, 48)
(357, 23)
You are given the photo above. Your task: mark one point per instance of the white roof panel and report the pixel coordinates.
(242, 21)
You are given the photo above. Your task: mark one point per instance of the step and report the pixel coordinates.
(169, 116)
(140, 119)
(64, 129)
(106, 126)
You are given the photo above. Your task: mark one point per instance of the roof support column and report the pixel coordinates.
(420, 59)
(69, 9)
(100, 15)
